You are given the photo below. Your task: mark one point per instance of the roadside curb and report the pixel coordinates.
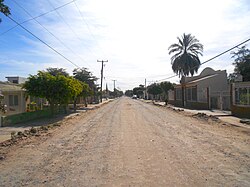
(16, 136)
(218, 117)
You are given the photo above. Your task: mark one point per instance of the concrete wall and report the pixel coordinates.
(197, 105)
(241, 111)
(20, 108)
(177, 103)
(216, 83)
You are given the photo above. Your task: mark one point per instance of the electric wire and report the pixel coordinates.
(50, 32)
(216, 56)
(43, 14)
(75, 34)
(43, 42)
(86, 23)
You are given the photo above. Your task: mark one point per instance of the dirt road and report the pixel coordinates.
(131, 143)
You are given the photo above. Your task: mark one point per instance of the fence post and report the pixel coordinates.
(1, 121)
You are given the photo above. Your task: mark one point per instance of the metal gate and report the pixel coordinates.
(220, 100)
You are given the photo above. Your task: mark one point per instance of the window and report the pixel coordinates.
(242, 96)
(191, 94)
(15, 81)
(13, 100)
(178, 94)
(194, 94)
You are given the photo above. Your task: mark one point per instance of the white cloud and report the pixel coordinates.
(135, 35)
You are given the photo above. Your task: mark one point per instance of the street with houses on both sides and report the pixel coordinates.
(131, 143)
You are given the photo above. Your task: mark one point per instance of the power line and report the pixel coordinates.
(216, 56)
(44, 42)
(43, 14)
(48, 30)
(226, 51)
(86, 23)
(76, 35)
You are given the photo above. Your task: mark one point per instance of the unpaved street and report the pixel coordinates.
(131, 143)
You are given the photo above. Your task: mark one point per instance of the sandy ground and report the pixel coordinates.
(131, 143)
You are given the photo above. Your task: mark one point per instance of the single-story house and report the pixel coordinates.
(14, 98)
(208, 90)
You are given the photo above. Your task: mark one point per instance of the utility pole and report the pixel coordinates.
(114, 86)
(102, 61)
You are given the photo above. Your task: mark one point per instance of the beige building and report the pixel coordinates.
(208, 90)
(14, 98)
(241, 99)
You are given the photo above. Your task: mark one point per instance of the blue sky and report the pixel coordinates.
(134, 35)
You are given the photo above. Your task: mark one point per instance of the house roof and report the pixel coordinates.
(6, 86)
(197, 80)
(201, 79)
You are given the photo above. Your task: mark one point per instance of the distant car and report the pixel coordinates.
(134, 97)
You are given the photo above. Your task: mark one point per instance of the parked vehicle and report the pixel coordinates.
(134, 97)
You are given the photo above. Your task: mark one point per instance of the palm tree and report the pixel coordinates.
(4, 9)
(185, 59)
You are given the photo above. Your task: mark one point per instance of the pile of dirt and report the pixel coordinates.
(33, 131)
(178, 110)
(206, 117)
(245, 121)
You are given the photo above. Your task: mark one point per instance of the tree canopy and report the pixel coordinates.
(4, 9)
(166, 86)
(57, 71)
(139, 90)
(85, 76)
(129, 93)
(155, 89)
(56, 89)
(185, 58)
(242, 63)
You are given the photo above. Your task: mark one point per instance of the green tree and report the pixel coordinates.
(242, 63)
(76, 88)
(166, 86)
(56, 89)
(86, 92)
(4, 9)
(87, 77)
(57, 71)
(185, 58)
(154, 89)
(129, 93)
(139, 90)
